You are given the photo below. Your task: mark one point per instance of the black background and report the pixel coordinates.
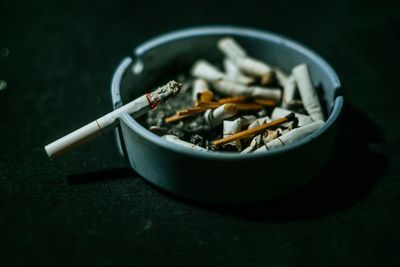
(88, 207)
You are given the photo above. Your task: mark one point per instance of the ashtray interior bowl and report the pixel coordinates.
(221, 177)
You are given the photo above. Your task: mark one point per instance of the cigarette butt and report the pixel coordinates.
(294, 135)
(234, 74)
(302, 119)
(307, 92)
(199, 86)
(255, 130)
(215, 117)
(176, 140)
(205, 70)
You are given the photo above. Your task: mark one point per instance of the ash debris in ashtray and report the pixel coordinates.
(248, 107)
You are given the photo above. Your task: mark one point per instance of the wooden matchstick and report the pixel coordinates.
(255, 130)
(206, 96)
(190, 111)
(184, 114)
(265, 102)
(234, 99)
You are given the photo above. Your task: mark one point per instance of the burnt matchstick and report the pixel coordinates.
(103, 124)
(255, 130)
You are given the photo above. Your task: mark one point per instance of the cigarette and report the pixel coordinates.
(215, 117)
(269, 136)
(175, 139)
(255, 130)
(205, 70)
(247, 120)
(232, 127)
(289, 91)
(281, 77)
(235, 89)
(294, 135)
(239, 106)
(234, 74)
(255, 143)
(307, 92)
(199, 86)
(231, 48)
(280, 112)
(248, 65)
(98, 127)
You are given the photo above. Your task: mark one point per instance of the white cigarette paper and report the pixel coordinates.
(98, 127)
(215, 117)
(289, 91)
(307, 92)
(233, 73)
(235, 89)
(246, 120)
(248, 65)
(293, 135)
(281, 112)
(281, 77)
(205, 70)
(255, 143)
(175, 139)
(232, 127)
(199, 86)
(231, 48)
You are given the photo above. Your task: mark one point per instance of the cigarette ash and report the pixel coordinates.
(193, 129)
(208, 90)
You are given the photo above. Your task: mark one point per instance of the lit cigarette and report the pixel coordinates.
(235, 89)
(307, 92)
(216, 116)
(234, 74)
(294, 135)
(98, 127)
(255, 130)
(232, 127)
(281, 112)
(248, 65)
(175, 139)
(199, 86)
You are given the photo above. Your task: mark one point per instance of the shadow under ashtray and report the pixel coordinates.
(101, 175)
(358, 161)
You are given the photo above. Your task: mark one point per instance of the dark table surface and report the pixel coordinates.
(89, 207)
